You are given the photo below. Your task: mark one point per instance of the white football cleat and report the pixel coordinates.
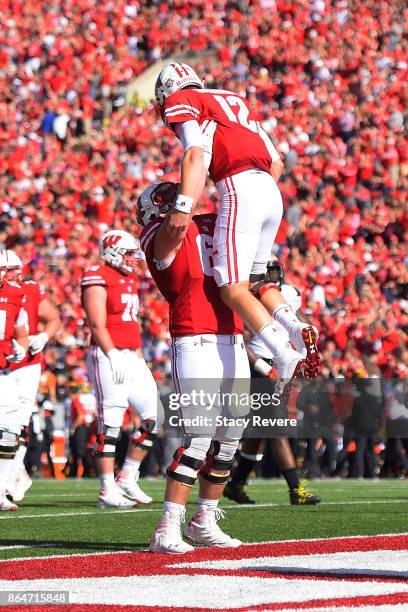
(289, 365)
(132, 490)
(113, 498)
(22, 484)
(203, 529)
(167, 536)
(6, 505)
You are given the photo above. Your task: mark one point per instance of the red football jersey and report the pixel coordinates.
(33, 295)
(11, 300)
(122, 304)
(238, 144)
(188, 283)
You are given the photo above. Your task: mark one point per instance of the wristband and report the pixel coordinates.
(262, 367)
(184, 203)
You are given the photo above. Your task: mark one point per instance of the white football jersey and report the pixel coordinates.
(293, 298)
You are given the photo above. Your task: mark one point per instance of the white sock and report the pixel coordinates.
(286, 317)
(107, 481)
(174, 509)
(206, 504)
(5, 469)
(274, 339)
(18, 460)
(130, 469)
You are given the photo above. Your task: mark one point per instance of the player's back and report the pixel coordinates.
(237, 144)
(188, 283)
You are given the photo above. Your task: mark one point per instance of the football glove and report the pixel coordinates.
(36, 343)
(118, 366)
(18, 353)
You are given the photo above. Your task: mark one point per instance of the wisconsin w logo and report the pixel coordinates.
(110, 241)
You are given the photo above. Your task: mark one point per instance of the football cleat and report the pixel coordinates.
(132, 490)
(22, 485)
(167, 536)
(7, 506)
(305, 338)
(301, 497)
(289, 365)
(203, 529)
(113, 498)
(236, 492)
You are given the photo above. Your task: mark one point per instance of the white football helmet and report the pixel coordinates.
(3, 266)
(155, 200)
(120, 249)
(174, 77)
(14, 266)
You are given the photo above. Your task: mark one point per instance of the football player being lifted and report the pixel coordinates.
(116, 366)
(27, 373)
(207, 349)
(13, 349)
(245, 168)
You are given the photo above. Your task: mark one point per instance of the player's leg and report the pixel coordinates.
(112, 404)
(144, 399)
(27, 381)
(250, 455)
(286, 463)
(9, 432)
(248, 220)
(190, 358)
(203, 527)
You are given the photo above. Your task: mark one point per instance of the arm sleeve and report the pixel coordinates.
(22, 318)
(189, 133)
(268, 143)
(92, 277)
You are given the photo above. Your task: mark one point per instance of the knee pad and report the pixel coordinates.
(24, 436)
(8, 444)
(188, 460)
(262, 287)
(144, 436)
(219, 461)
(107, 441)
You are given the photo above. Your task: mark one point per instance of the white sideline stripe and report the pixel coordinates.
(43, 557)
(16, 547)
(123, 552)
(228, 507)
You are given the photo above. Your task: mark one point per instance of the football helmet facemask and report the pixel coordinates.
(155, 200)
(120, 250)
(174, 77)
(14, 267)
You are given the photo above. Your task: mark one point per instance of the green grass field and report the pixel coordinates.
(61, 517)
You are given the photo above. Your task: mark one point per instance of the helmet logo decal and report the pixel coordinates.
(110, 241)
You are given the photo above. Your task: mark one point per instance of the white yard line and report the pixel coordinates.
(136, 511)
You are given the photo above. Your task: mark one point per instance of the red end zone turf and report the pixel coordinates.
(338, 573)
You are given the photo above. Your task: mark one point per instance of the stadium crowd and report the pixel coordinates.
(328, 79)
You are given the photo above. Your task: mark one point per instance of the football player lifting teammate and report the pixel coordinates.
(245, 168)
(27, 373)
(13, 349)
(207, 349)
(116, 366)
